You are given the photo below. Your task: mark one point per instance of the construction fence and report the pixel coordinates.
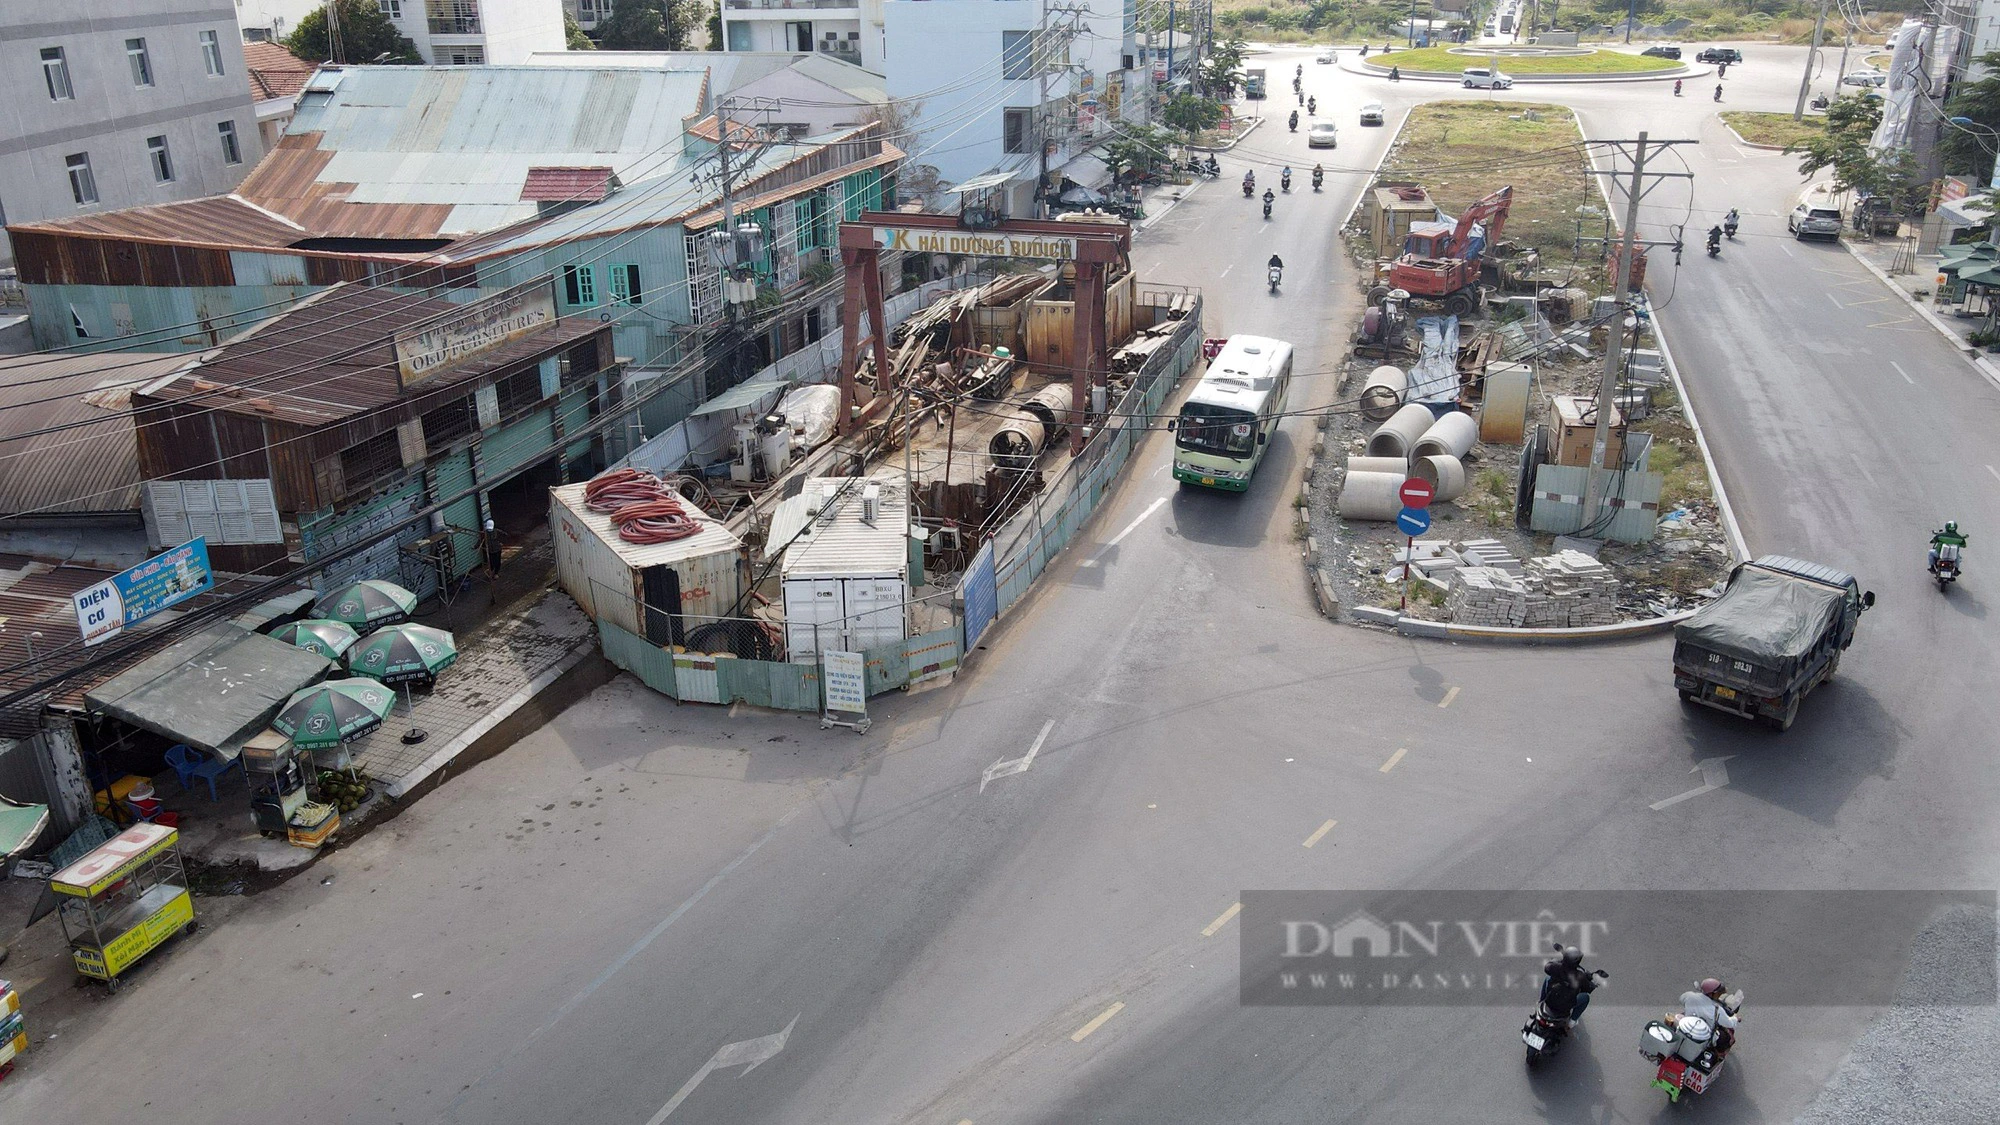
(1023, 546)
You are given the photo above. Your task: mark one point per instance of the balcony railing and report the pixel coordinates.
(789, 5)
(454, 25)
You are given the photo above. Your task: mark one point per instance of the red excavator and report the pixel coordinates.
(1444, 265)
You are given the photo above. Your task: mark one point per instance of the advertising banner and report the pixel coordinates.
(103, 611)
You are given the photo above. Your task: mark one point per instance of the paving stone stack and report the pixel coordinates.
(1485, 596)
(1579, 585)
(1566, 590)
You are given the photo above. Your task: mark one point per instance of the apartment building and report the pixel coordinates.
(446, 32)
(849, 30)
(136, 102)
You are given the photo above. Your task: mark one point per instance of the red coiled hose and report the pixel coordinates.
(641, 506)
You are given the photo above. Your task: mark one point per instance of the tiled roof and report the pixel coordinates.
(274, 71)
(567, 185)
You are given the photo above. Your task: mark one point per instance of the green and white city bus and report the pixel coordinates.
(1226, 424)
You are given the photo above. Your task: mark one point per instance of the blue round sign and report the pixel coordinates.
(1413, 521)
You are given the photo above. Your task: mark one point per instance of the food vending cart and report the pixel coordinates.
(123, 899)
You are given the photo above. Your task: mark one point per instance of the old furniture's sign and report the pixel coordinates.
(990, 244)
(427, 349)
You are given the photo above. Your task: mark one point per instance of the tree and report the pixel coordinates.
(573, 36)
(1223, 68)
(1970, 148)
(1139, 149)
(651, 25)
(366, 36)
(1191, 114)
(1850, 124)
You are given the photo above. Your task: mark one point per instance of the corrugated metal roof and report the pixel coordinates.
(740, 397)
(296, 367)
(224, 220)
(713, 538)
(843, 544)
(92, 468)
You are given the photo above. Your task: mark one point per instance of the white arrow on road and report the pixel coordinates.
(1008, 767)
(749, 1054)
(1714, 775)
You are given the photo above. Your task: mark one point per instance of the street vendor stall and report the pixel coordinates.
(123, 899)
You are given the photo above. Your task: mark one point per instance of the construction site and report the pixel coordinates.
(1566, 486)
(895, 511)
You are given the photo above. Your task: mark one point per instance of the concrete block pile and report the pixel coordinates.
(1565, 590)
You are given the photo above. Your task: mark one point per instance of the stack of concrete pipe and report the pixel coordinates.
(1411, 442)
(1383, 394)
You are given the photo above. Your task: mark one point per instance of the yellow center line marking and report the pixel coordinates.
(1448, 697)
(1223, 919)
(1394, 758)
(1320, 834)
(1083, 1032)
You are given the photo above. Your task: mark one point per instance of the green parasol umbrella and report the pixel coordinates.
(328, 638)
(368, 604)
(328, 714)
(400, 653)
(404, 654)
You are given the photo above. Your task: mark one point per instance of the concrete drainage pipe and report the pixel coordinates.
(1446, 474)
(1394, 465)
(1371, 496)
(1400, 432)
(1383, 393)
(1451, 436)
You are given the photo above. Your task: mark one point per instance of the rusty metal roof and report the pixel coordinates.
(566, 185)
(218, 220)
(329, 358)
(88, 469)
(274, 71)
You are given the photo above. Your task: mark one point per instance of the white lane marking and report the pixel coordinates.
(1903, 373)
(748, 1054)
(1394, 758)
(1863, 466)
(1786, 249)
(1836, 302)
(1994, 471)
(1714, 775)
(1320, 833)
(1235, 908)
(1224, 273)
(1102, 1017)
(1448, 697)
(1008, 767)
(1129, 529)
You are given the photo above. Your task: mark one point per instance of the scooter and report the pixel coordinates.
(1729, 229)
(1820, 103)
(1267, 208)
(1275, 273)
(1685, 1048)
(1944, 565)
(1545, 1031)
(1318, 179)
(1285, 183)
(1295, 121)
(1312, 107)
(1249, 187)
(1714, 247)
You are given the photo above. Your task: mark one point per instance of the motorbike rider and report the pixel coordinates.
(1270, 197)
(1677, 87)
(1947, 536)
(1718, 91)
(1567, 985)
(1295, 121)
(1214, 167)
(1707, 1004)
(1312, 106)
(1285, 178)
(1249, 183)
(1395, 74)
(1319, 176)
(1714, 239)
(1730, 223)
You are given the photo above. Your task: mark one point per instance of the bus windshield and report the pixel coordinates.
(1218, 430)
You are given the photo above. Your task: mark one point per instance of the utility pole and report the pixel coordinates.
(1170, 47)
(1805, 80)
(1614, 351)
(1631, 17)
(1041, 62)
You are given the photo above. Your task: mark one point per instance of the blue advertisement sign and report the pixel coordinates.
(103, 611)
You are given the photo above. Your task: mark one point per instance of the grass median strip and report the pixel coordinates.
(1443, 60)
(1776, 129)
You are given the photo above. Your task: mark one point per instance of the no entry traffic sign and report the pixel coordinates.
(1416, 492)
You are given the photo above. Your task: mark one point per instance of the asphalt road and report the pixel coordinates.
(573, 931)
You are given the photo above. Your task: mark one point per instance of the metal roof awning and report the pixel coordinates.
(744, 396)
(986, 180)
(19, 826)
(212, 690)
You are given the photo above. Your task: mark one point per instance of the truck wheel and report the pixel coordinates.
(1782, 723)
(1459, 303)
(1687, 697)
(1376, 293)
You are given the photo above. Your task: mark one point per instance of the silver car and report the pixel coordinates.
(1808, 221)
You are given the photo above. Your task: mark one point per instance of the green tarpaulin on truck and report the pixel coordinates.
(1766, 618)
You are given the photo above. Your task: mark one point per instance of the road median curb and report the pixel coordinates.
(1500, 634)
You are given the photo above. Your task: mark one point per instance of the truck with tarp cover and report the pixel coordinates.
(1775, 634)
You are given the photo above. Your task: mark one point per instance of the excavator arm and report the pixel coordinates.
(1492, 211)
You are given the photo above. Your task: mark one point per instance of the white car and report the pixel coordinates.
(1322, 135)
(1872, 78)
(1371, 114)
(1325, 56)
(1483, 78)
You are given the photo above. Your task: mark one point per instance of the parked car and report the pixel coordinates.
(1322, 135)
(1817, 215)
(1485, 78)
(1663, 52)
(1720, 55)
(1325, 56)
(1371, 114)
(1872, 79)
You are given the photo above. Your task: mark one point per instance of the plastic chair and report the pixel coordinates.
(190, 764)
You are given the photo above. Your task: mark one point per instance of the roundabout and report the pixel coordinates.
(1526, 62)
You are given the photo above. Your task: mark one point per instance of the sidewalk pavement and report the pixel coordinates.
(1916, 283)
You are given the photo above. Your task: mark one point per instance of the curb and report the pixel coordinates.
(1501, 634)
(1972, 355)
(1234, 141)
(1748, 144)
(431, 771)
(1371, 70)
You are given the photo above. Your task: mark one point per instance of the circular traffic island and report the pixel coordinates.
(1520, 60)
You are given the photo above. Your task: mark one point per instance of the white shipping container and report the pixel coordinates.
(846, 579)
(657, 591)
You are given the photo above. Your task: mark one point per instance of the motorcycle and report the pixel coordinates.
(1677, 87)
(1944, 565)
(1714, 247)
(1213, 169)
(1312, 107)
(1685, 1049)
(1267, 208)
(1729, 229)
(1718, 93)
(1295, 121)
(1249, 187)
(1545, 1031)
(1820, 103)
(1318, 179)
(1275, 272)
(1285, 183)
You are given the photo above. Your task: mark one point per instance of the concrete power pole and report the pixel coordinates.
(1614, 352)
(1812, 56)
